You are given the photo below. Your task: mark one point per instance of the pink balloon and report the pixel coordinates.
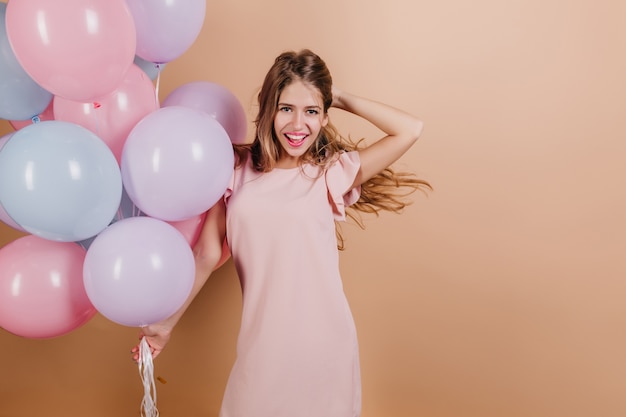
(191, 230)
(176, 163)
(139, 271)
(41, 288)
(47, 114)
(113, 116)
(215, 100)
(166, 28)
(77, 49)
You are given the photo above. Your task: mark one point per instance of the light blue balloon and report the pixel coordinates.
(21, 97)
(59, 181)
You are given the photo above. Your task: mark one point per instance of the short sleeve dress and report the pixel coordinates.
(297, 350)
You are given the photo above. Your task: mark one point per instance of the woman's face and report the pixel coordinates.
(299, 118)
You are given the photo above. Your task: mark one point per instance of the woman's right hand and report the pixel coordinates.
(157, 337)
(337, 98)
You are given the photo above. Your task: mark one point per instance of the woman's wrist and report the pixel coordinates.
(160, 329)
(337, 98)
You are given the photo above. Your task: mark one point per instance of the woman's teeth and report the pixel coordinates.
(295, 138)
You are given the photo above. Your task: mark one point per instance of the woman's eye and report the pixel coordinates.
(285, 108)
(312, 111)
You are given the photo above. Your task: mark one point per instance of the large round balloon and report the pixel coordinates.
(59, 181)
(139, 271)
(42, 294)
(166, 28)
(215, 100)
(190, 228)
(176, 163)
(113, 116)
(20, 96)
(77, 49)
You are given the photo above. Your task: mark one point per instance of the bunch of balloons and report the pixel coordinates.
(110, 186)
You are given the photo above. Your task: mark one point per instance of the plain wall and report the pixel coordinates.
(498, 294)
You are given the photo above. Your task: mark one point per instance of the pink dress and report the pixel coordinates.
(297, 351)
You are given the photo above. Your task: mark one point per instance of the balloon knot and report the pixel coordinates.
(96, 105)
(36, 119)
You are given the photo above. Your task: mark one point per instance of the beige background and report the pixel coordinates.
(500, 294)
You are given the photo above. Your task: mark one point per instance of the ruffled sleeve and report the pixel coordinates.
(339, 179)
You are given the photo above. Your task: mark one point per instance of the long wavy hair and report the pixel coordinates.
(388, 190)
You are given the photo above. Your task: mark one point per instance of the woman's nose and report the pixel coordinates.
(297, 120)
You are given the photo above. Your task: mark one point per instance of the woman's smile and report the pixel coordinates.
(296, 139)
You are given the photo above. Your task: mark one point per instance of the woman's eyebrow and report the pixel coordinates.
(314, 106)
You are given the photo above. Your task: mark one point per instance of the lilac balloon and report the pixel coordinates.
(176, 163)
(166, 28)
(138, 271)
(215, 100)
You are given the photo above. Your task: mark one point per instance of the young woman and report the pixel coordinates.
(297, 351)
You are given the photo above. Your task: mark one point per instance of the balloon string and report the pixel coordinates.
(158, 82)
(96, 106)
(146, 371)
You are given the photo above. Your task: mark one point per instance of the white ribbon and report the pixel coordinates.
(158, 83)
(146, 371)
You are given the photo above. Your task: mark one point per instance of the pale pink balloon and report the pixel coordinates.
(113, 116)
(77, 49)
(215, 100)
(42, 294)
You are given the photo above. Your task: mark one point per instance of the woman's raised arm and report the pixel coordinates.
(402, 131)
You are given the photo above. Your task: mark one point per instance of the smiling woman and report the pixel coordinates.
(501, 294)
(297, 347)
